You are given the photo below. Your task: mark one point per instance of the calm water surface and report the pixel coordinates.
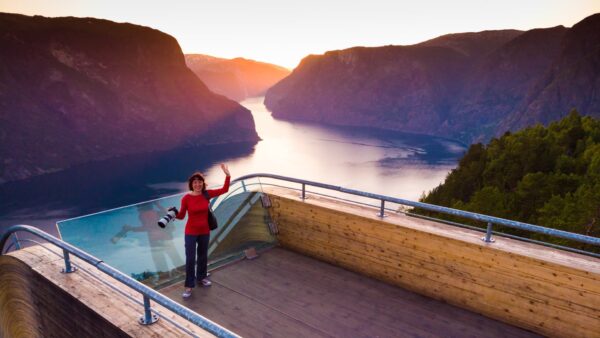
(389, 163)
(384, 162)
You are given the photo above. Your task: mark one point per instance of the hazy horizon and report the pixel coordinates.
(284, 32)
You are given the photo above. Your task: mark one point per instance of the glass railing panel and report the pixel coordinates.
(245, 226)
(130, 240)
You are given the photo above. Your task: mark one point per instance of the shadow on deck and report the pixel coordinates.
(285, 294)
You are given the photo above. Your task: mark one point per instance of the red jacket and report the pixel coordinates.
(197, 207)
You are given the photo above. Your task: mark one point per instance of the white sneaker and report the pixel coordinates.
(186, 293)
(205, 282)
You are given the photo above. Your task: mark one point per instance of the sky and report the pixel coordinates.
(284, 31)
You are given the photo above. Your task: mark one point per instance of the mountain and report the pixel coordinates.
(571, 81)
(74, 90)
(467, 86)
(498, 85)
(236, 78)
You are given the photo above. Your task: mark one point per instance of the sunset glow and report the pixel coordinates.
(283, 31)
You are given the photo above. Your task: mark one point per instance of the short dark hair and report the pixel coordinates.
(196, 176)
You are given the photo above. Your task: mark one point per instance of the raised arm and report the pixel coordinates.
(225, 188)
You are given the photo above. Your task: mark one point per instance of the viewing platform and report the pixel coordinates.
(325, 266)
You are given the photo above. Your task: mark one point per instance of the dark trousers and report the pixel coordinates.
(195, 270)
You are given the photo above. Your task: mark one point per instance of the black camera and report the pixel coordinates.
(168, 218)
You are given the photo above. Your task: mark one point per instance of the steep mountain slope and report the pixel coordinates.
(571, 81)
(498, 84)
(409, 88)
(74, 90)
(469, 86)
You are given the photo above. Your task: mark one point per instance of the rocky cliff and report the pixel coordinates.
(237, 78)
(468, 86)
(74, 90)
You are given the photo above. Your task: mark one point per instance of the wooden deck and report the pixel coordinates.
(405, 270)
(285, 294)
(545, 290)
(87, 287)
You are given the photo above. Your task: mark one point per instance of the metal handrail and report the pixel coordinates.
(503, 234)
(455, 212)
(461, 225)
(147, 292)
(490, 220)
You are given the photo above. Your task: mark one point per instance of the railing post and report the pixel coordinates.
(16, 241)
(148, 317)
(68, 268)
(244, 186)
(303, 191)
(382, 210)
(488, 234)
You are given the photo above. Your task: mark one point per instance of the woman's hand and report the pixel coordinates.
(225, 169)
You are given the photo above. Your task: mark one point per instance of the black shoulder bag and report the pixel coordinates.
(212, 220)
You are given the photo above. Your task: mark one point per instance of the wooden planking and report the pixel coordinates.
(443, 259)
(430, 283)
(431, 257)
(106, 302)
(282, 294)
(369, 225)
(442, 265)
(462, 296)
(544, 295)
(235, 310)
(572, 262)
(364, 228)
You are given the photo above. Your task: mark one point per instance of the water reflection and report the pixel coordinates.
(385, 162)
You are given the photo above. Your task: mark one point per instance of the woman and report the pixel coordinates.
(197, 232)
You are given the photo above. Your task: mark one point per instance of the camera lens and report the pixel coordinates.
(166, 219)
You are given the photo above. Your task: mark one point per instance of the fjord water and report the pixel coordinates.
(384, 162)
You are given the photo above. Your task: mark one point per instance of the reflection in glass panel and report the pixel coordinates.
(245, 225)
(130, 240)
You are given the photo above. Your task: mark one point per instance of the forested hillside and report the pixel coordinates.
(546, 176)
